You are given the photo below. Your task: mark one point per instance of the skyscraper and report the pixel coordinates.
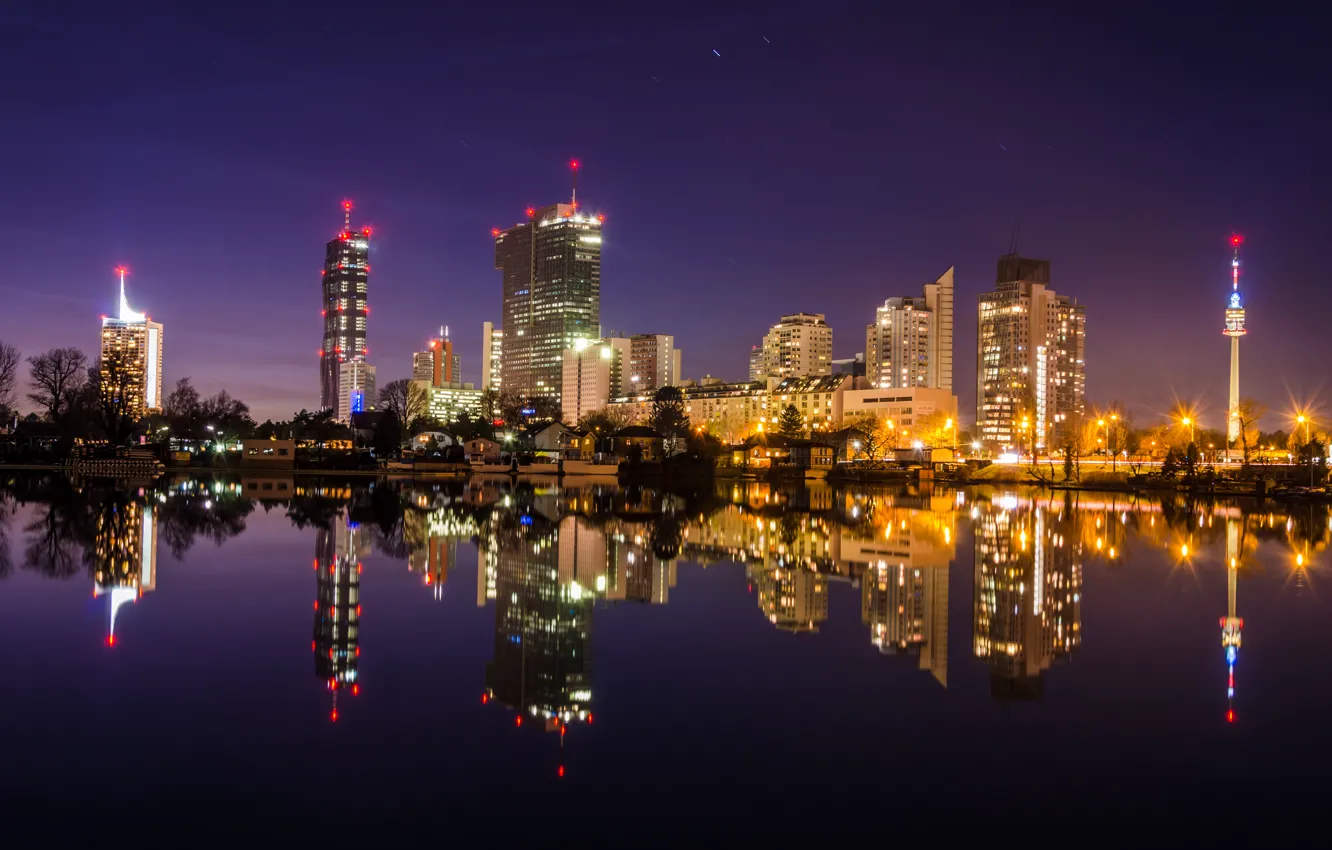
(550, 268)
(910, 343)
(134, 344)
(799, 346)
(1234, 329)
(346, 268)
(1030, 377)
(492, 349)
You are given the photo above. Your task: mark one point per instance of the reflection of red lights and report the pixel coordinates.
(518, 721)
(485, 698)
(110, 640)
(561, 770)
(358, 652)
(334, 716)
(589, 717)
(356, 690)
(1230, 716)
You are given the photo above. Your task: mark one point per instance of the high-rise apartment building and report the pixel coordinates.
(356, 388)
(592, 375)
(799, 346)
(654, 362)
(492, 350)
(910, 343)
(550, 267)
(1030, 376)
(346, 268)
(133, 344)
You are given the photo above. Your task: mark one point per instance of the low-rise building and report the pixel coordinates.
(639, 442)
(446, 404)
(904, 406)
(270, 454)
(481, 450)
(819, 400)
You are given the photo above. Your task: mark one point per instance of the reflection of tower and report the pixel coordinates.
(1234, 329)
(432, 542)
(337, 617)
(906, 609)
(903, 567)
(1028, 596)
(794, 599)
(1231, 625)
(125, 554)
(543, 627)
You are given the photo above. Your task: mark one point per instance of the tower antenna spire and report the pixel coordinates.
(346, 216)
(573, 166)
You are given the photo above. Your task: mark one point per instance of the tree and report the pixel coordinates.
(228, 417)
(393, 398)
(669, 418)
(935, 428)
(877, 436)
(1248, 413)
(57, 377)
(791, 423)
(113, 394)
(388, 434)
(9, 363)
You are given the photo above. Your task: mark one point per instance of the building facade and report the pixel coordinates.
(654, 362)
(910, 343)
(438, 366)
(356, 388)
(903, 407)
(492, 352)
(592, 375)
(133, 344)
(345, 309)
(799, 346)
(445, 404)
(550, 268)
(1030, 369)
(819, 400)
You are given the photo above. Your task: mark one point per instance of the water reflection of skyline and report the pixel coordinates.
(548, 558)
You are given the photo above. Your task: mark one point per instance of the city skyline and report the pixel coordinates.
(432, 251)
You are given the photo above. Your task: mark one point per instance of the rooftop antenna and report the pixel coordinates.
(444, 331)
(573, 166)
(1013, 240)
(346, 216)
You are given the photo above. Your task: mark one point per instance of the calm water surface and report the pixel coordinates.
(347, 663)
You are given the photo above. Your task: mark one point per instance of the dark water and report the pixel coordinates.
(332, 663)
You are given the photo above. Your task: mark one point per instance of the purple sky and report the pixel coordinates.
(833, 155)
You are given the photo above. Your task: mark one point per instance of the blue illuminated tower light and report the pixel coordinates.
(1234, 329)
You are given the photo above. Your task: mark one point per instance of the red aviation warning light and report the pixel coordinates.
(494, 231)
(1236, 240)
(530, 212)
(573, 163)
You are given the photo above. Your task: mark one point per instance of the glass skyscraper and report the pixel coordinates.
(346, 268)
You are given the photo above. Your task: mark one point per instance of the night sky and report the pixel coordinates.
(832, 155)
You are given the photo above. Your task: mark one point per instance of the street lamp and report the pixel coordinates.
(953, 425)
(1188, 423)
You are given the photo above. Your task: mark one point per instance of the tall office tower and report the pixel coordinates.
(654, 362)
(593, 374)
(543, 629)
(492, 349)
(550, 266)
(799, 346)
(438, 366)
(1028, 595)
(910, 343)
(346, 267)
(1030, 375)
(132, 345)
(1234, 329)
(337, 616)
(356, 388)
